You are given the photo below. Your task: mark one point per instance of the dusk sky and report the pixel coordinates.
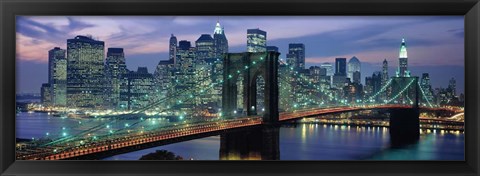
(435, 43)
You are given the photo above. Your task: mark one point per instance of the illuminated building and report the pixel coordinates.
(354, 65)
(296, 55)
(385, 78)
(452, 85)
(136, 91)
(373, 85)
(172, 48)
(115, 68)
(46, 98)
(184, 81)
(85, 72)
(426, 89)
(221, 47)
(329, 71)
(57, 76)
(220, 40)
(340, 66)
(403, 61)
(205, 48)
(356, 77)
(340, 75)
(163, 80)
(256, 40)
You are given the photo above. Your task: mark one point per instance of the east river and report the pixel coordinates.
(296, 141)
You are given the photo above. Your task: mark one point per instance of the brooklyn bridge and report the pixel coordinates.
(403, 101)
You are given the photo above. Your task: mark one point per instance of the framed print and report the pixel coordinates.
(256, 87)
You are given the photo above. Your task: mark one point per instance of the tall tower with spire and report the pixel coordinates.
(403, 61)
(220, 48)
(173, 48)
(220, 40)
(385, 78)
(385, 72)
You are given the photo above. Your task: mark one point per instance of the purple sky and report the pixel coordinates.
(435, 43)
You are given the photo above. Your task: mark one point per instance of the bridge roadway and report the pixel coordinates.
(105, 145)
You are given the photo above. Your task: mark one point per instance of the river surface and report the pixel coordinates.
(296, 142)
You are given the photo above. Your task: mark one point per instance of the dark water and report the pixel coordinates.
(296, 142)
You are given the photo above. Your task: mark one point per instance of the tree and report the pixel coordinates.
(161, 155)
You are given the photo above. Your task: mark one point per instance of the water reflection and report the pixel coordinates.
(296, 141)
(260, 143)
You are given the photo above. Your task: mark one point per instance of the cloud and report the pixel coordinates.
(30, 49)
(324, 36)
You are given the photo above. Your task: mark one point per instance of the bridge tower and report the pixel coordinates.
(250, 66)
(405, 122)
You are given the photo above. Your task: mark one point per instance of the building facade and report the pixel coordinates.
(57, 76)
(137, 89)
(296, 55)
(403, 61)
(256, 40)
(354, 65)
(85, 72)
(115, 69)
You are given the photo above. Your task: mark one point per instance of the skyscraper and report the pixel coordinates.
(356, 77)
(339, 78)
(220, 40)
(403, 61)
(185, 70)
(296, 55)
(256, 40)
(340, 66)
(172, 48)
(137, 89)
(46, 98)
(384, 72)
(85, 72)
(328, 67)
(57, 76)
(426, 89)
(452, 86)
(354, 65)
(373, 85)
(115, 69)
(205, 48)
(329, 72)
(221, 47)
(163, 77)
(385, 78)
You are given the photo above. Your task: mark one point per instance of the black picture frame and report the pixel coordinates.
(11, 8)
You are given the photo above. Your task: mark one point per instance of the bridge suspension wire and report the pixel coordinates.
(116, 118)
(112, 120)
(401, 92)
(423, 95)
(306, 81)
(382, 90)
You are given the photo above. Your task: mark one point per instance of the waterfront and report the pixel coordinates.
(296, 142)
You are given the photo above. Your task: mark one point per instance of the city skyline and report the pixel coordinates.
(29, 27)
(100, 102)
